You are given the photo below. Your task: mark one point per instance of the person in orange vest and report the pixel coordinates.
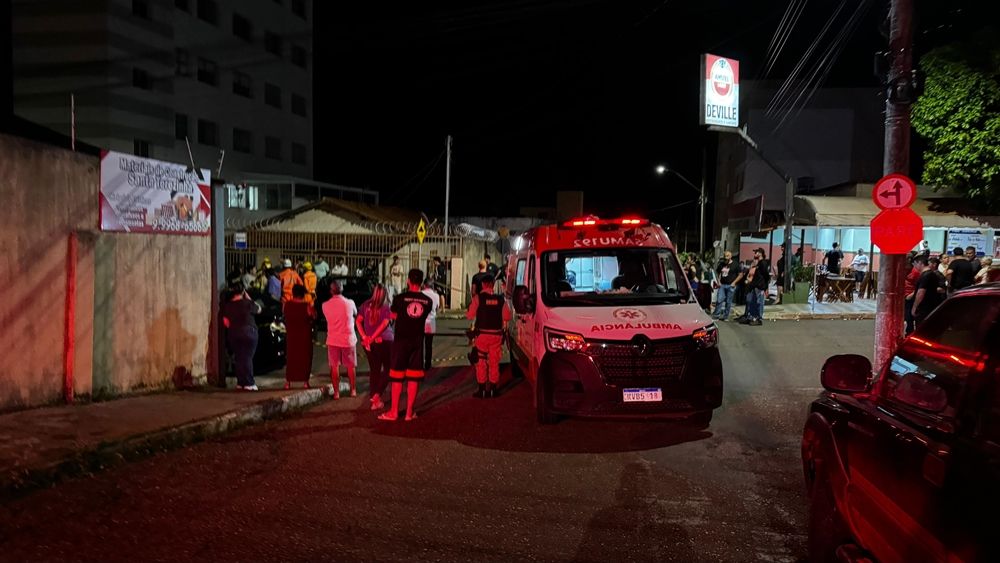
(310, 280)
(289, 278)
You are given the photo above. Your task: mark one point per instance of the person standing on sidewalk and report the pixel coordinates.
(375, 329)
(299, 316)
(289, 278)
(491, 314)
(759, 278)
(430, 327)
(310, 281)
(409, 310)
(860, 266)
(910, 291)
(341, 340)
(237, 317)
(727, 271)
(833, 258)
(929, 294)
(396, 277)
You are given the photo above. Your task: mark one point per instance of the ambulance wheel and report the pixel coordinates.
(542, 409)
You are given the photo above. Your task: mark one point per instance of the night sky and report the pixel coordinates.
(540, 95)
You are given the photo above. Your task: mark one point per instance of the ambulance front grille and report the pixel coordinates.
(620, 362)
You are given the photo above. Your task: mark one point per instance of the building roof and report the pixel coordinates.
(354, 212)
(834, 211)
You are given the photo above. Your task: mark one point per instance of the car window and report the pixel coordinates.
(519, 275)
(946, 349)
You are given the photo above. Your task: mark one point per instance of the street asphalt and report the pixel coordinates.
(469, 480)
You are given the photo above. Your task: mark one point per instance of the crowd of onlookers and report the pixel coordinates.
(749, 281)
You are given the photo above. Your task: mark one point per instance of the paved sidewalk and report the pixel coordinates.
(43, 445)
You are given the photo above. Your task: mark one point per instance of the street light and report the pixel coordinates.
(663, 169)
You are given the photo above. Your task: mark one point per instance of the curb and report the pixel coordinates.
(820, 316)
(133, 448)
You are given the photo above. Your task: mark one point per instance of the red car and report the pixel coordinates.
(904, 466)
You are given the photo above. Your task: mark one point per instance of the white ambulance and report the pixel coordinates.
(606, 324)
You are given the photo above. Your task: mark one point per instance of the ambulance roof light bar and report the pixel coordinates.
(592, 220)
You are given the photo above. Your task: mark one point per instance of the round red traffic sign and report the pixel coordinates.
(894, 191)
(897, 231)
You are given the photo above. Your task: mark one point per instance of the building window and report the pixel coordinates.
(243, 197)
(208, 72)
(299, 56)
(182, 62)
(242, 140)
(141, 79)
(307, 192)
(208, 133)
(140, 9)
(140, 147)
(242, 28)
(242, 84)
(180, 126)
(278, 196)
(298, 153)
(208, 11)
(272, 148)
(272, 43)
(299, 8)
(299, 105)
(272, 95)
(182, 5)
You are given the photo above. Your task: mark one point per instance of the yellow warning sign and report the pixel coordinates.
(421, 231)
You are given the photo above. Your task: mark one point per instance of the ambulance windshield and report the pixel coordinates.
(606, 276)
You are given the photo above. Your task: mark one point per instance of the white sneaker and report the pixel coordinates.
(252, 388)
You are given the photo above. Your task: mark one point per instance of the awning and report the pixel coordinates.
(835, 211)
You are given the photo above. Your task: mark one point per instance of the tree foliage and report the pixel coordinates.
(959, 116)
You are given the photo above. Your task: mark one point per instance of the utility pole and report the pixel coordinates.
(896, 159)
(704, 164)
(447, 188)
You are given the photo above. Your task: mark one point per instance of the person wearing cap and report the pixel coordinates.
(273, 284)
(309, 279)
(289, 279)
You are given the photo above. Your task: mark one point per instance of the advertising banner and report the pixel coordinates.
(720, 91)
(978, 238)
(142, 195)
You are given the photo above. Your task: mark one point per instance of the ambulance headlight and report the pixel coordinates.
(706, 337)
(559, 341)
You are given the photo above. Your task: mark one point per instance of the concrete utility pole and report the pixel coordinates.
(896, 160)
(447, 188)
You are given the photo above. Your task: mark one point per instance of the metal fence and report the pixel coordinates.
(357, 249)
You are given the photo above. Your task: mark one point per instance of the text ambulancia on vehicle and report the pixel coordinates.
(606, 324)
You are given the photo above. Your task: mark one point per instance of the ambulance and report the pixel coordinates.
(606, 325)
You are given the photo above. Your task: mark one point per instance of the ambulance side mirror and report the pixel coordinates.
(524, 302)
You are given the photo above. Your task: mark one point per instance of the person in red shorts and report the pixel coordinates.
(406, 363)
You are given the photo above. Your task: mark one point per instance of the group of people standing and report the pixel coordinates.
(755, 275)
(933, 278)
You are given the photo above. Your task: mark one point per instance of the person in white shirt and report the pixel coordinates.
(396, 276)
(321, 267)
(859, 265)
(430, 326)
(340, 270)
(341, 339)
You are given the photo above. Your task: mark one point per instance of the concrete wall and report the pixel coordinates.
(142, 301)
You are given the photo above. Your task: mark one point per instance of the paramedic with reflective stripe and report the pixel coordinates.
(491, 314)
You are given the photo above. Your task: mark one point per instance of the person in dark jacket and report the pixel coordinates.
(237, 317)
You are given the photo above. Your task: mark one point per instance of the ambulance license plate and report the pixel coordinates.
(642, 395)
